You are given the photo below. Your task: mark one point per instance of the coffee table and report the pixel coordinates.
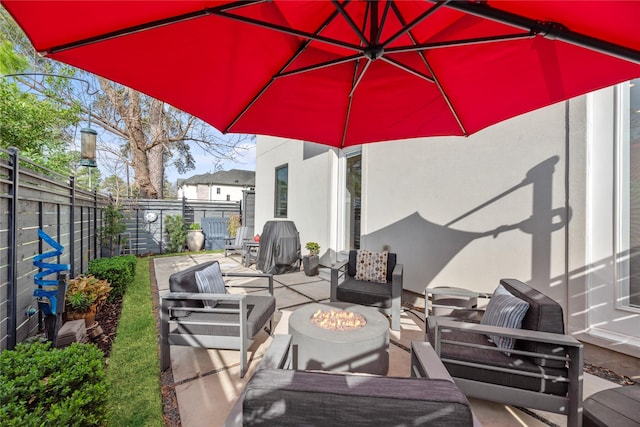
(363, 350)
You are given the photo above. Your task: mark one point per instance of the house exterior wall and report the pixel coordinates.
(310, 190)
(530, 198)
(209, 192)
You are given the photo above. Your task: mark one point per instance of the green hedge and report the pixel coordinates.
(40, 386)
(118, 271)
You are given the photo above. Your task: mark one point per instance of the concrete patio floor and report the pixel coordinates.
(207, 382)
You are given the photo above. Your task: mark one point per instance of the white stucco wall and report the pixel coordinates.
(311, 190)
(514, 200)
(209, 192)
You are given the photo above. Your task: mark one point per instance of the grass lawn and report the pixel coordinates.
(133, 373)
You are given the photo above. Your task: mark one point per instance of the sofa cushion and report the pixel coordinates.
(365, 293)
(507, 311)
(371, 266)
(391, 264)
(486, 357)
(544, 315)
(185, 281)
(259, 309)
(210, 281)
(294, 398)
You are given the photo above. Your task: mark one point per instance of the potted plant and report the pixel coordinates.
(84, 296)
(195, 237)
(176, 230)
(311, 262)
(113, 226)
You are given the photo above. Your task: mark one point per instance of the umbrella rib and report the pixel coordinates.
(348, 116)
(382, 22)
(359, 79)
(548, 29)
(435, 78)
(246, 108)
(290, 31)
(147, 26)
(407, 27)
(301, 49)
(463, 42)
(350, 22)
(320, 66)
(407, 69)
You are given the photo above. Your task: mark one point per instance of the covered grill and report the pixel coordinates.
(279, 248)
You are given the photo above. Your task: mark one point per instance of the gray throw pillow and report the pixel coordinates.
(210, 281)
(507, 311)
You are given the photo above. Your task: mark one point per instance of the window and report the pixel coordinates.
(282, 183)
(218, 190)
(353, 199)
(228, 197)
(628, 173)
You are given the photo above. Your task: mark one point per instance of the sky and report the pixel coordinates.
(246, 160)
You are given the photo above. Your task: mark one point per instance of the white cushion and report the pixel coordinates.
(210, 281)
(371, 266)
(507, 311)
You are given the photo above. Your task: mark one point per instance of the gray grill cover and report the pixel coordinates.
(279, 248)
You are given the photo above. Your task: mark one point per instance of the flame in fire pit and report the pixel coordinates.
(338, 320)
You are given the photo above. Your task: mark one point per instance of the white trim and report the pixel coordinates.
(623, 209)
(619, 339)
(343, 155)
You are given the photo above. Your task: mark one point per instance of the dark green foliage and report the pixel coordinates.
(118, 271)
(176, 233)
(112, 225)
(40, 386)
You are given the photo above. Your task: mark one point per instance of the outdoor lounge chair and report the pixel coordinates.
(542, 371)
(232, 323)
(386, 297)
(235, 244)
(279, 396)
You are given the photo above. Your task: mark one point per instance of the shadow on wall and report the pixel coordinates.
(430, 246)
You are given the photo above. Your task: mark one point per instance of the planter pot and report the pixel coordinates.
(195, 240)
(89, 317)
(311, 264)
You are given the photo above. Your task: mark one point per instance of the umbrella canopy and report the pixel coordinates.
(345, 72)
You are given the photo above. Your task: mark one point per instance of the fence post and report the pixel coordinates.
(72, 226)
(12, 297)
(95, 223)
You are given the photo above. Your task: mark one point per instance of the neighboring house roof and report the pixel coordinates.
(231, 177)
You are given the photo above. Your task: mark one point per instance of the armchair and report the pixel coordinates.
(231, 324)
(386, 297)
(236, 244)
(543, 371)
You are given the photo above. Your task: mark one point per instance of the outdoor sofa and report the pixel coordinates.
(279, 396)
(542, 371)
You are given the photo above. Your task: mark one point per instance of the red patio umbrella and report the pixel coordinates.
(345, 72)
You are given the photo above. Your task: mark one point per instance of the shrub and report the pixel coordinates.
(176, 233)
(118, 271)
(43, 386)
(234, 224)
(113, 224)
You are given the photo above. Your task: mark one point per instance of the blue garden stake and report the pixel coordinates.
(48, 291)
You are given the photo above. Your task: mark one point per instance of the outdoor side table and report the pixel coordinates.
(249, 252)
(619, 406)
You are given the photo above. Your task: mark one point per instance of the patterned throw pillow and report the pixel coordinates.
(507, 311)
(210, 281)
(371, 266)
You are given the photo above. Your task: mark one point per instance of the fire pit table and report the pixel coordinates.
(362, 347)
